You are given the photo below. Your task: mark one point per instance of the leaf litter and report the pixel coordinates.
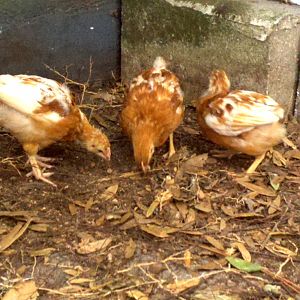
(118, 234)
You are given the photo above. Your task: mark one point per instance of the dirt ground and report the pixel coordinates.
(101, 235)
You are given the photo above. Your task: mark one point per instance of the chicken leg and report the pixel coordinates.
(171, 146)
(36, 162)
(37, 172)
(256, 163)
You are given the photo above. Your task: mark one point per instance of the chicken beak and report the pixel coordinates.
(106, 154)
(145, 168)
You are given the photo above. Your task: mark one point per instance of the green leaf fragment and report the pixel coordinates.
(243, 265)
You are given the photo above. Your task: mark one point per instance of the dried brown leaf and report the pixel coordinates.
(187, 258)
(280, 250)
(81, 280)
(262, 190)
(158, 231)
(13, 235)
(222, 224)
(162, 198)
(214, 242)
(243, 250)
(136, 294)
(216, 264)
(292, 154)
(204, 206)
(181, 285)
(130, 249)
(192, 165)
(73, 209)
(86, 246)
(42, 252)
(109, 193)
(39, 227)
(278, 158)
(275, 205)
(100, 221)
(26, 290)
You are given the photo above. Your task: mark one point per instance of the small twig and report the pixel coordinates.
(275, 227)
(293, 286)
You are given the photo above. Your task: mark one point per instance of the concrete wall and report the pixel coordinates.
(256, 42)
(60, 33)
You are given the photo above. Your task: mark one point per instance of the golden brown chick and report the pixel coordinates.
(239, 120)
(40, 112)
(153, 109)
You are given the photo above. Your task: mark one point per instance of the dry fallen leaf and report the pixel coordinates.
(162, 198)
(73, 209)
(42, 252)
(292, 154)
(214, 242)
(109, 193)
(192, 165)
(275, 205)
(130, 249)
(281, 251)
(13, 235)
(243, 250)
(39, 227)
(182, 285)
(87, 246)
(81, 280)
(158, 231)
(204, 206)
(278, 158)
(187, 258)
(26, 290)
(263, 190)
(136, 294)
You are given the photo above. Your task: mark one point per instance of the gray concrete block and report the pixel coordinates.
(255, 42)
(60, 33)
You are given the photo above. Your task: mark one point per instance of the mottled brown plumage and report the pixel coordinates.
(153, 109)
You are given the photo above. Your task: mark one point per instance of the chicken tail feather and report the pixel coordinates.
(159, 63)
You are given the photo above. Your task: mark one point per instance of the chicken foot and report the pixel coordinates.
(256, 163)
(36, 163)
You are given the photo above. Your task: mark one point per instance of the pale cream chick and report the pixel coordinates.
(39, 112)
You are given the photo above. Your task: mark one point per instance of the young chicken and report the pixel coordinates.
(242, 121)
(152, 111)
(40, 112)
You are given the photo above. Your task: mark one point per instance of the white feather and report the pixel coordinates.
(26, 97)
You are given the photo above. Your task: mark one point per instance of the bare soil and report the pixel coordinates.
(188, 235)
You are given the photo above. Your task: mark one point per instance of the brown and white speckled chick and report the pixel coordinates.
(39, 112)
(153, 109)
(243, 121)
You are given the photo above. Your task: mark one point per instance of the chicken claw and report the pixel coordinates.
(36, 163)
